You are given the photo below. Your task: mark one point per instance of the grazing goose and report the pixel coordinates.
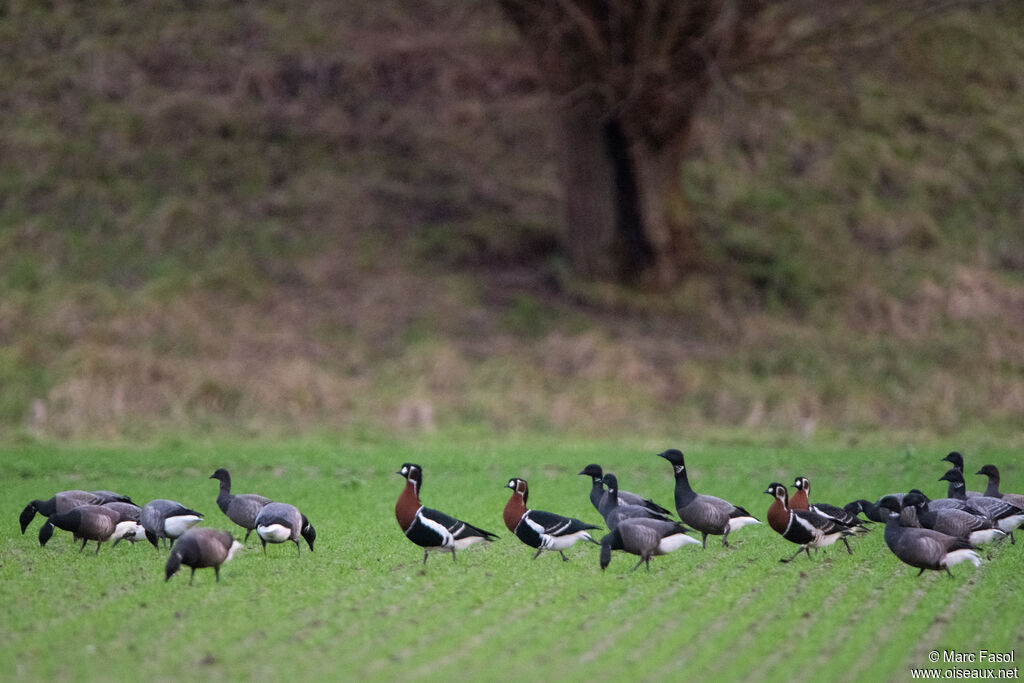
(128, 518)
(801, 501)
(280, 522)
(539, 529)
(88, 522)
(926, 548)
(241, 509)
(162, 518)
(431, 529)
(992, 490)
(803, 527)
(64, 501)
(614, 511)
(198, 548)
(973, 528)
(706, 514)
(870, 510)
(598, 494)
(1008, 517)
(957, 460)
(645, 537)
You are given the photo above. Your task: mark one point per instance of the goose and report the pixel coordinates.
(88, 522)
(539, 529)
(598, 494)
(1008, 517)
(431, 529)
(926, 548)
(801, 501)
(280, 522)
(870, 510)
(198, 548)
(241, 509)
(615, 511)
(956, 459)
(65, 500)
(803, 527)
(972, 528)
(162, 518)
(645, 537)
(992, 490)
(706, 514)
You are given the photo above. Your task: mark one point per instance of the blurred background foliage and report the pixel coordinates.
(262, 219)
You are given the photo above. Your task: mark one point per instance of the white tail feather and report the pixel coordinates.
(958, 556)
(740, 522)
(675, 541)
(985, 536)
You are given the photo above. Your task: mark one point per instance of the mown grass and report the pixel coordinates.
(363, 606)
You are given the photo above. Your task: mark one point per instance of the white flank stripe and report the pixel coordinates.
(562, 542)
(446, 536)
(467, 541)
(958, 556)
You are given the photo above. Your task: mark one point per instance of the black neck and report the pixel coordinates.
(684, 495)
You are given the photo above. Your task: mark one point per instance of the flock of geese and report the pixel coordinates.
(103, 516)
(921, 532)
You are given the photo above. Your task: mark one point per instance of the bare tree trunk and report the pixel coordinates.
(625, 218)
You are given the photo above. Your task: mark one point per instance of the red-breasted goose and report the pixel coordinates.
(973, 528)
(199, 548)
(598, 495)
(801, 501)
(925, 548)
(539, 529)
(706, 514)
(645, 537)
(64, 501)
(614, 510)
(88, 522)
(162, 518)
(242, 508)
(430, 529)
(803, 527)
(280, 522)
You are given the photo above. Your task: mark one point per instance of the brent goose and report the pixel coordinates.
(162, 518)
(645, 537)
(241, 509)
(614, 510)
(198, 548)
(925, 548)
(90, 523)
(598, 494)
(280, 522)
(64, 501)
(706, 514)
(972, 528)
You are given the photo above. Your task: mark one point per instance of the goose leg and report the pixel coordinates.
(791, 557)
(247, 532)
(703, 540)
(564, 558)
(453, 553)
(191, 576)
(98, 544)
(847, 544)
(921, 572)
(298, 550)
(808, 551)
(948, 572)
(216, 572)
(425, 554)
(264, 546)
(537, 554)
(84, 541)
(725, 537)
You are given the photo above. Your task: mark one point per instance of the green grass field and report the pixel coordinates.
(363, 607)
